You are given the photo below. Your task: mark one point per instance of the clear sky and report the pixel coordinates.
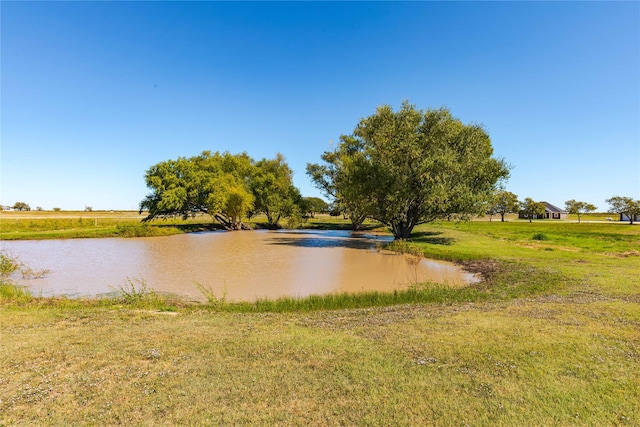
(94, 93)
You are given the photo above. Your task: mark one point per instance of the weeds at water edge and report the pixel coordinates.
(10, 264)
(211, 297)
(135, 291)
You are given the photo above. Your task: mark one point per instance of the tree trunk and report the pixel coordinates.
(224, 222)
(502, 215)
(401, 230)
(357, 221)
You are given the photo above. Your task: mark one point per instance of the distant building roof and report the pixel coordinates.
(553, 209)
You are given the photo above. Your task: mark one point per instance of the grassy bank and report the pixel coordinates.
(66, 225)
(37, 225)
(550, 337)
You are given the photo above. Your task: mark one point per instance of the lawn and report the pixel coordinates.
(550, 337)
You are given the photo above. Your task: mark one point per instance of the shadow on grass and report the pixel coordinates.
(320, 225)
(192, 228)
(318, 240)
(431, 237)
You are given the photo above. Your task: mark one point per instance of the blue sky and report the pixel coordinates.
(94, 93)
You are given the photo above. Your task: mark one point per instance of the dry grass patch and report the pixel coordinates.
(540, 362)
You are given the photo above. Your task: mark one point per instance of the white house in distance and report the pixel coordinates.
(623, 217)
(550, 212)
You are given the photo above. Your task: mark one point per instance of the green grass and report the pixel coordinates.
(551, 336)
(66, 225)
(53, 227)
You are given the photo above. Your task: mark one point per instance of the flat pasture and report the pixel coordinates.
(550, 336)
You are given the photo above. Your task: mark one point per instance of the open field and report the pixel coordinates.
(78, 224)
(81, 224)
(550, 337)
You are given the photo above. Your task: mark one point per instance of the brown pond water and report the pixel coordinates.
(243, 266)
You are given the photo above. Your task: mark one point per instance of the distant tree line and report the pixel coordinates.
(504, 202)
(401, 168)
(21, 206)
(626, 206)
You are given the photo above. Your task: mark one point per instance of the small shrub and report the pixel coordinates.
(11, 292)
(540, 236)
(8, 265)
(136, 291)
(211, 297)
(134, 230)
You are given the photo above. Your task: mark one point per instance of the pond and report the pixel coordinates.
(242, 266)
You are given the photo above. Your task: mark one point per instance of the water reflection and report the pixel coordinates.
(241, 265)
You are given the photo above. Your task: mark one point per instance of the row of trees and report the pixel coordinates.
(626, 206)
(22, 206)
(504, 202)
(401, 168)
(409, 167)
(229, 187)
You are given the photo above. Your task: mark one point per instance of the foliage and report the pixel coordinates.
(21, 206)
(549, 338)
(209, 294)
(8, 265)
(10, 292)
(313, 205)
(503, 202)
(539, 236)
(532, 209)
(136, 292)
(579, 208)
(410, 167)
(275, 195)
(209, 183)
(225, 186)
(343, 178)
(624, 206)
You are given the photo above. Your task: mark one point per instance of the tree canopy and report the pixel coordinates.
(21, 206)
(624, 206)
(223, 185)
(344, 179)
(503, 202)
(530, 208)
(274, 192)
(313, 205)
(409, 167)
(579, 208)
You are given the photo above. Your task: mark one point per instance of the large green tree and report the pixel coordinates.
(410, 166)
(313, 205)
(21, 206)
(274, 192)
(344, 178)
(575, 207)
(530, 208)
(625, 206)
(503, 202)
(215, 184)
